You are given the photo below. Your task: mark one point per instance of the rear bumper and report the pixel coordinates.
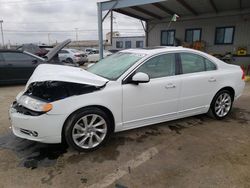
(80, 59)
(240, 88)
(44, 128)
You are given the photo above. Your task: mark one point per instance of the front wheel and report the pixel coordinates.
(87, 129)
(221, 104)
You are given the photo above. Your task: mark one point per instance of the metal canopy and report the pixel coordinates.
(118, 6)
(159, 9)
(153, 10)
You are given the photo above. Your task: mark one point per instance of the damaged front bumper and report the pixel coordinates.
(44, 128)
(42, 125)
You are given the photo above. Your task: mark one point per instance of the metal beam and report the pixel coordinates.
(240, 4)
(130, 14)
(188, 7)
(109, 11)
(163, 8)
(147, 32)
(107, 5)
(100, 30)
(213, 5)
(111, 27)
(144, 11)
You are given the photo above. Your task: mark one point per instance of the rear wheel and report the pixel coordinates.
(69, 60)
(221, 104)
(87, 129)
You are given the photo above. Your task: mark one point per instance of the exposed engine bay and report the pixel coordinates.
(56, 90)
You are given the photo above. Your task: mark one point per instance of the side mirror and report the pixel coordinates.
(140, 77)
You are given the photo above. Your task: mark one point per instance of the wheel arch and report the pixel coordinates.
(228, 88)
(211, 112)
(103, 108)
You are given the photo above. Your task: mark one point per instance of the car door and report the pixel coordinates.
(63, 55)
(198, 83)
(2, 69)
(19, 66)
(155, 101)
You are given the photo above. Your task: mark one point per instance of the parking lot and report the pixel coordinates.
(195, 152)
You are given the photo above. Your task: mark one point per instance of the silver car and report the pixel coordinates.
(72, 56)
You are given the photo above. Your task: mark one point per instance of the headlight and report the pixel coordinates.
(34, 104)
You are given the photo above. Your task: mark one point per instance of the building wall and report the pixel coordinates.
(208, 25)
(132, 39)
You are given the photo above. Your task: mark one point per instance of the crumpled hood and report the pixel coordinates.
(48, 72)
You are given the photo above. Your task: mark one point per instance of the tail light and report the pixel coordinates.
(243, 73)
(77, 55)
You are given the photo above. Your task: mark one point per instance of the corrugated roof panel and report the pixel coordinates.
(245, 4)
(226, 5)
(200, 6)
(155, 10)
(177, 7)
(140, 14)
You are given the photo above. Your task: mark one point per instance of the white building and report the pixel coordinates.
(120, 43)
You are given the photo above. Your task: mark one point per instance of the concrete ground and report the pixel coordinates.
(191, 152)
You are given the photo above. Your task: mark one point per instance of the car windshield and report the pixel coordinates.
(114, 66)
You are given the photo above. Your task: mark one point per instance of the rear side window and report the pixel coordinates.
(63, 52)
(160, 66)
(209, 65)
(192, 63)
(12, 56)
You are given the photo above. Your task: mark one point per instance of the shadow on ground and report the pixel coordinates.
(33, 154)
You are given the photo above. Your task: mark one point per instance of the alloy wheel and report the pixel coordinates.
(89, 131)
(223, 104)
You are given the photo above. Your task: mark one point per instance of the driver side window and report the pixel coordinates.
(159, 66)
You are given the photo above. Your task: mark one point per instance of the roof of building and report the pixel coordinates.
(159, 9)
(130, 36)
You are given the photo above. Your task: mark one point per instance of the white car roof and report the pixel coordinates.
(161, 49)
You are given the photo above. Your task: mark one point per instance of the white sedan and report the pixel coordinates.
(130, 89)
(72, 56)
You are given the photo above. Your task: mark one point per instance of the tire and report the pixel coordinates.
(221, 105)
(78, 131)
(69, 60)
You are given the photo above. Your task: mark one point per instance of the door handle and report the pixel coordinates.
(169, 86)
(212, 79)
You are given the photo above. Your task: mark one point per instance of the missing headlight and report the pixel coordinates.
(55, 90)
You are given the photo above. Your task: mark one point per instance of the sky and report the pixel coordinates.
(48, 21)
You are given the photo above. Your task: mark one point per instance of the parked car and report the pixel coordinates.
(90, 50)
(130, 89)
(113, 51)
(17, 66)
(94, 56)
(34, 49)
(72, 56)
